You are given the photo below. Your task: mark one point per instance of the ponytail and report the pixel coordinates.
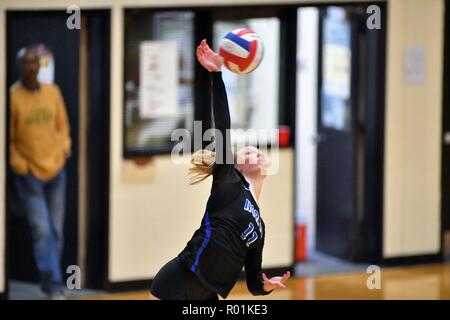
(203, 162)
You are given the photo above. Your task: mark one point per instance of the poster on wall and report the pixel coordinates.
(415, 66)
(46, 72)
(158, 77)
(337, 57)
(337, 64)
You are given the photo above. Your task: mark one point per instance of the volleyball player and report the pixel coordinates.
(232, 232)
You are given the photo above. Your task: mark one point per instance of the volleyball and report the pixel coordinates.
(242, 50)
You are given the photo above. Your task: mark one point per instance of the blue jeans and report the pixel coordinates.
(44, 204)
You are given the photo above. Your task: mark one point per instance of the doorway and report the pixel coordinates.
(340, 165)
(81, 56)
(49, 28)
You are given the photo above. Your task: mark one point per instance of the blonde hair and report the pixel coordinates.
(202, 162)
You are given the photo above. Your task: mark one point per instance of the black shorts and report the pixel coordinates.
(175, 282)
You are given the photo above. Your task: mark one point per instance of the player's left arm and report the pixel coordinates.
(257, 281)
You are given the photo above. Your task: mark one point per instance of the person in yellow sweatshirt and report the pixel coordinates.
(40, 144)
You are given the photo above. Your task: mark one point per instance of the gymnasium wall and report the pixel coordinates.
(413, 131)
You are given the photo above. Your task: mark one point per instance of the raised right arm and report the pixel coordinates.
(222, 121)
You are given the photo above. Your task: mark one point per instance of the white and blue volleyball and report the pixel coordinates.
(242, 50)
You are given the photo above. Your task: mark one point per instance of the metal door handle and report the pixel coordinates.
(318, 138)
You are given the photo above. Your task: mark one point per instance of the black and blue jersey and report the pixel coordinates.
(231, 235)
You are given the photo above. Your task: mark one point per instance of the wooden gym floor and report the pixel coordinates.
(417, 282)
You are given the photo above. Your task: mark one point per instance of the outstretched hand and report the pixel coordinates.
(275, 282)
(210, 60)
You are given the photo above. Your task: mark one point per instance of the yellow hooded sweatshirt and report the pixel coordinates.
(39, 131)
